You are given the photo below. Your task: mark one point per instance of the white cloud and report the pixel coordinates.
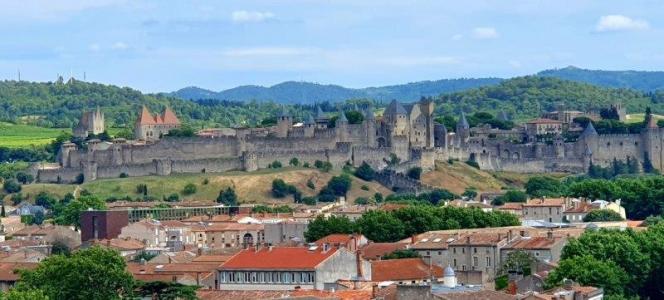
(94, 47)
(620, 23)
(243, 16)
(267, 51)
(457, 37)
(120, 46)
(485, 33)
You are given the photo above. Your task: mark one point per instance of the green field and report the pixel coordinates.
(20, 136)
(17, 136)
(634, 118)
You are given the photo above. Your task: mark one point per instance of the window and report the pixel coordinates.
(550, 212)
(428, 253)
(440, 252)
(536, 253)
(463, 267)
(475, 261)
(475, 250)
(463, 250)
(454, 250)
(488, 261)
(455, 262)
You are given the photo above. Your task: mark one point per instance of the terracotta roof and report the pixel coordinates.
(373, 251)
(544, 121)
(230, 227)
(212, 259)
(8, 271)
(173, 223)
(432, 240)
(582, 207)
(120, 244)
(511, 206)
(534, 243)
(337, 239)
(477, 295)
(145, 117)
(392, 206)
(545, 202)
(168, 117)
(403, 269)
(480, 239)
(279, 258)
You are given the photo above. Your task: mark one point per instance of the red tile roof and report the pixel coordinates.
(545, 202)
(145, 118)
(168, 117)
(480, 239)
(534, 243)
(8, 271)
(403, 269)
(511, 206)
(279, 258)
(373, 251)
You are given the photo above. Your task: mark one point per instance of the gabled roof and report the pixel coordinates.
(279, 258)
(403, 269)
(377, 250)
(534, 243)
(395, 108)
(145, 117)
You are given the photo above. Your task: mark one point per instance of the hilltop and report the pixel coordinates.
(307, 92)
(645, 81)
(526, 97)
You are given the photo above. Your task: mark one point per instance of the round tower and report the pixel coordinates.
(284, 123)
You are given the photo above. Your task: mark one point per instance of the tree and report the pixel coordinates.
(280, 188)
(365, 172)
(647, 164)
(189, 189)
(518, 261)
(227, 197)
(45, 200)
(294, 162)
(543, 186)
(381, 226)
(588, 270)
(3, 213)
(340, 185)
(31, 294)
(24, 178)
(322, 226)
(174, 197)
(399, 254)
(11, 186)
(71, 212)
(415, 173)
(354, 117)
(80, 178)
(602, 215)
(161, 290)
(510, 196)
(101, 270)
(470, 193)
(275, 165)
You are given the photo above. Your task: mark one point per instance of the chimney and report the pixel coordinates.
(522, 233)
(549, 234)
(326, 247)
(509, 235)
(413, 239)
(542, 200)
(269, 248)
(358, 260)
(468, 239)
(200, 251)
(374, 289)
(108, 242)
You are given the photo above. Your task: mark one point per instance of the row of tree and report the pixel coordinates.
(391, 226)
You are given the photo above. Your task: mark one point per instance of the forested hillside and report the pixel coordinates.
(60, 105)
(639, 80)
(307, 92)
(527, 97)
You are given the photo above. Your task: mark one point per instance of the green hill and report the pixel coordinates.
(526, 97)
(646, 81)
(307, 92)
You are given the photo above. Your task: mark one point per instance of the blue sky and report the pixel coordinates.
(165, 45)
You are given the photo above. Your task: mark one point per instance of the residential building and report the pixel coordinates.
(228, 235)
(546, 209)
(547, 249)
(285, 232)
(289, 268)
(433, 246)
(375, 251)
(352, 242)
(475, 257)
(150, 232)
(9, 275)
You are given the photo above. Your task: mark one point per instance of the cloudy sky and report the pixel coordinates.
(165, 45)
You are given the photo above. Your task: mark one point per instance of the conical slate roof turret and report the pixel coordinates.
(342, 117)
(284, 112)
(355, 108)
(369, 114)
(319, 113)
(589, 131)
(463, 123)
(310, 120)
(395, 108)
(503, 116)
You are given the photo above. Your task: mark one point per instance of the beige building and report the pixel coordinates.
(476, 257)
(229, 235)
(546, 209)
(152, 127)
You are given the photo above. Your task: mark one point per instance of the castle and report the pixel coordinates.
(405, 132)
(92, 122)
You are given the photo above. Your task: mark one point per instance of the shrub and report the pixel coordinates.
(189, 189)
(415, 173)
(11, 186)
(142, 189)
(45, 200)
(309, 200)
(471, 193)
(24, 178)
(361, 201)
(80, 178)
(280, 188)
(275, 164)
(227, 197)
(602, 215)
(366, 172)
(17, 198)
(310, 184)
(378, 197)
(340, 185)
(364, 187)
(123, 175)
(306, 165)
(294, 162)
(174, 197)
(323, 166)
(473, 164)
(206, 181)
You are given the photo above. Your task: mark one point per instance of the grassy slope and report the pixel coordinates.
(634, 118)
(459, 176)
(251, 187)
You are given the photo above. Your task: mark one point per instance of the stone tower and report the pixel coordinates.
(395, 117)
(284, 123)
(370, 126)
(620, 110)
(427, 107)
(91, 122)
(654, 146)
(588, 140)
(462, 130)
(341, 127)
(309, 127)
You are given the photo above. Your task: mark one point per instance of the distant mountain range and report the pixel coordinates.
(307, 92)
(645, 81)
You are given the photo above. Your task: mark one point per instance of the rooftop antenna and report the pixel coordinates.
(84, 76)
(19, 75)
